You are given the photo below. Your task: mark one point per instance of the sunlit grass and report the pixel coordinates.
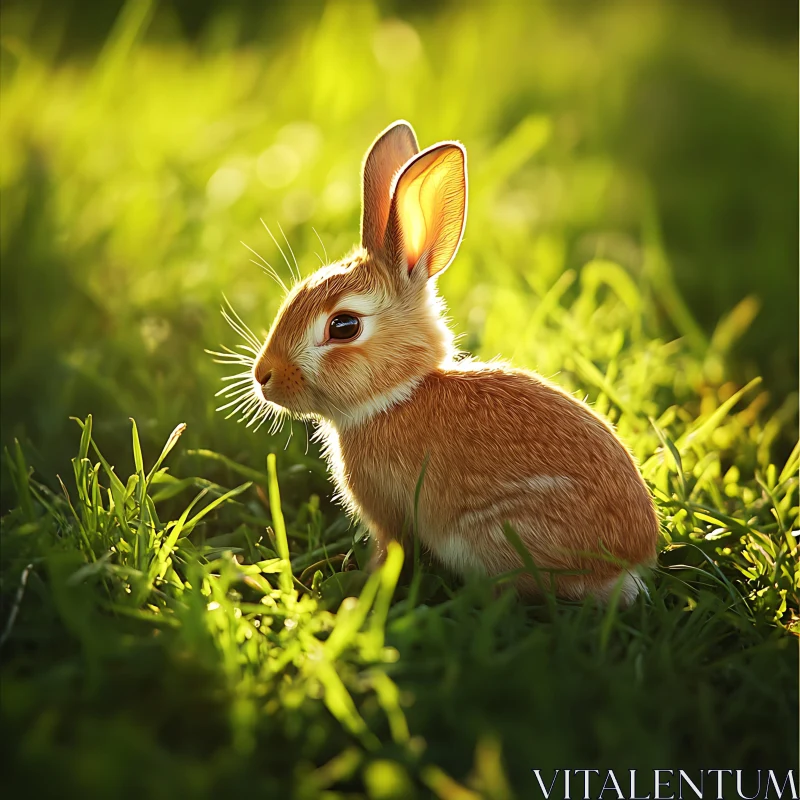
(195, 617)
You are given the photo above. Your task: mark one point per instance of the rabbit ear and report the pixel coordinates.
(429, 209)
(393, 148)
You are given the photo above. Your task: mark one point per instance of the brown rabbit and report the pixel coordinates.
(362, 347)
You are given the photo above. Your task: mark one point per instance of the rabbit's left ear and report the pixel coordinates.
(393, 148)
(429, 209)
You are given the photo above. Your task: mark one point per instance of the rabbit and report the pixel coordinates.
(362, 346)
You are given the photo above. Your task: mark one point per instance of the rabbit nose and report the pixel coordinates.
(262, 374)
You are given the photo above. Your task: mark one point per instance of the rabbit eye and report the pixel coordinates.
(344, 327)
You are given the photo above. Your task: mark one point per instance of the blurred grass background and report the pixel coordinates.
(142, 142)
(632, 233)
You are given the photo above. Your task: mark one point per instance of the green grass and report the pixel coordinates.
(194, 618)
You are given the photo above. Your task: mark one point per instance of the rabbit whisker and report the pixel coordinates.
(324, 249)
(264, 416)
(278, 245)
(245, 409)
(231, 389)
(271, 273)
(274, 427)
(234, 359)
(289, 245)
(230, 357)
(267, 267)
(239, 329)
(263, 413)
(239, 362)
(237, 402)
(234, 391)
(235, 411)
(247, 415)
(291, 432)
(242, 326)
(239, 376)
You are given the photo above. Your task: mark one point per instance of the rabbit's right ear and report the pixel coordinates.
(390, 151)
(428, 210)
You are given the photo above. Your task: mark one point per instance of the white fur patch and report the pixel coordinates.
(375, 405)
(540, 483)
(363, 304)
(457, 555)
(509, 506)
(632, 585)
(438, 311)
